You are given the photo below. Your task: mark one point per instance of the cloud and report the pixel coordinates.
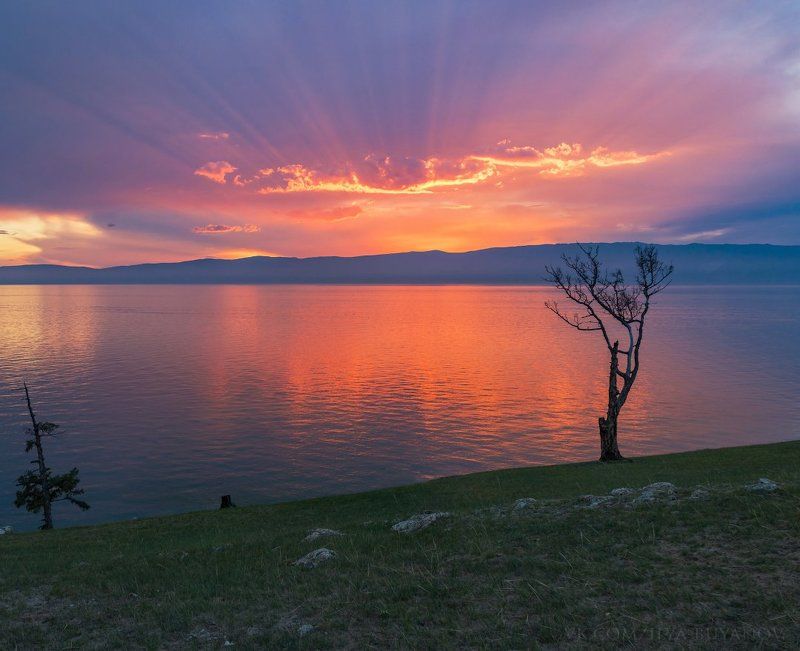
(388, 175)
(563, 159)
(213, 135)
(385, 176)
(221, 229)
(28, 232)
(216, 171)
(335, 214)
(704, 235)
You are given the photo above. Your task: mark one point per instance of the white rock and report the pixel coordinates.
(419, 521)
(622, 492)
(699, 494)
(320, 533)
(304, 629)
(763, 485)
(523, 503)
(312, 559)
(6, 530)
(653, 492)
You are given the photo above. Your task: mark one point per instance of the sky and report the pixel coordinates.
(162, 131)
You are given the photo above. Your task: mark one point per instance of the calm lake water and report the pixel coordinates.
(170, 396)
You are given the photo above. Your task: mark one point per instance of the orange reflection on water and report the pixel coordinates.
(279, 392)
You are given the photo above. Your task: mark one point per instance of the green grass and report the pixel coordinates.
(717, 573)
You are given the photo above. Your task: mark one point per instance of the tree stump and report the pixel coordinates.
(225, 502)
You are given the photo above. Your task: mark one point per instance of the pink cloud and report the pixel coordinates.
(220, 229)
(213, 135)
(216, 171)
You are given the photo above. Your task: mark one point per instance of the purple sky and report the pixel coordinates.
(154, 131)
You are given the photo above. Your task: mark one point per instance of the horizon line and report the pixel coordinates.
(388, 253)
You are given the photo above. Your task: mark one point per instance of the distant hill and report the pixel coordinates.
(694, 264)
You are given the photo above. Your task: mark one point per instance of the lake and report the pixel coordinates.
(170, 396)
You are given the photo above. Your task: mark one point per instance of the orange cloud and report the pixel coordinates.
(216, 171)
(381, 179)
(25, 232)
(335, 214)
(219, 229)
(407, 176)
(563, 159)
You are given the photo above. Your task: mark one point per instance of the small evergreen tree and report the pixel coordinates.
(40, 488)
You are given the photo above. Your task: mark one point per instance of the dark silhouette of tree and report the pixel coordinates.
(608, 304)
(40, 488)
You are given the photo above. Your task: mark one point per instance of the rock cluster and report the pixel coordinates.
(6, 530)
(657, 491)
(662, 490)
(595, 501)
(622, 491)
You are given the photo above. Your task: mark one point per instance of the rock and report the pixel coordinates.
(622, 492)
(320, 533)
(699, 494)
(202, 635)
(291, 625)
(763, 485)
(6, 530)
(523, 503)
(419, 521)
(595, 501)
(493, 511)
(653, 492)
(312, 559)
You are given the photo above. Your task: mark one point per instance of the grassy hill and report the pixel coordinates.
(721, 569)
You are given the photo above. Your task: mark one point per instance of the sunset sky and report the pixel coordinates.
(160, 131)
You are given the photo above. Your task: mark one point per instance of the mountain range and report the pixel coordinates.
(694, 264)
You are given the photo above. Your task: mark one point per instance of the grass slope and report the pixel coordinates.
(719, 572)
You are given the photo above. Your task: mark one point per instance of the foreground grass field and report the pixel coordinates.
(722, 571)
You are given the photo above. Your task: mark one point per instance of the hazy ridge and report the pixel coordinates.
(694, 263)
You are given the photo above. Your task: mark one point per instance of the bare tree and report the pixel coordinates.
(608, 305)
(40, 488)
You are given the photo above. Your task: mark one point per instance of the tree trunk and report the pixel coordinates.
(47, 520)
(609, 451)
